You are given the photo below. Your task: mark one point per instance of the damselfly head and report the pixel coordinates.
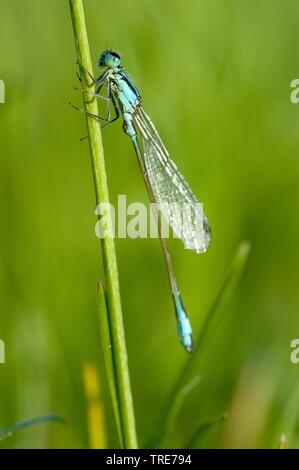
(109, 59)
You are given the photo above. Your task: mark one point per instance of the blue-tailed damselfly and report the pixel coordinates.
(166, 186)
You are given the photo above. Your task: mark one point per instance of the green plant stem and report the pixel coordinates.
(9, 431)
(108, 357)
(119, 350)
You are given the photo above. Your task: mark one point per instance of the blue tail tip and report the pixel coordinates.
(189, 347)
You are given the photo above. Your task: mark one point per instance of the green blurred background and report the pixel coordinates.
(215, 78)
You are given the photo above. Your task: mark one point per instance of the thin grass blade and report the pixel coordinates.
(108, 358)
(176, 408)
(202, 430)
(10, 430)
(95, 412)
(286, 426)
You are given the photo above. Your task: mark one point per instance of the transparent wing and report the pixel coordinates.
(173, 195)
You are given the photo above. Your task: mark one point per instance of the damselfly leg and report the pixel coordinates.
(109, 98)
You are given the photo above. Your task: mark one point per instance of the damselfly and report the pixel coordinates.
(165, 185)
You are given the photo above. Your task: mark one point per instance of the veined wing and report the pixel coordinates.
(172, 193)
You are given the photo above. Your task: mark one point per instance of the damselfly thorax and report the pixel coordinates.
(127, 96)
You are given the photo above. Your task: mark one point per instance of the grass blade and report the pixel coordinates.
(176, 408)
(201, 431)
(95, 412)
(7, 432)
(108, 358)
(286, 426)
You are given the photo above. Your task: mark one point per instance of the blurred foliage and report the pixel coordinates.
(215, 78)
